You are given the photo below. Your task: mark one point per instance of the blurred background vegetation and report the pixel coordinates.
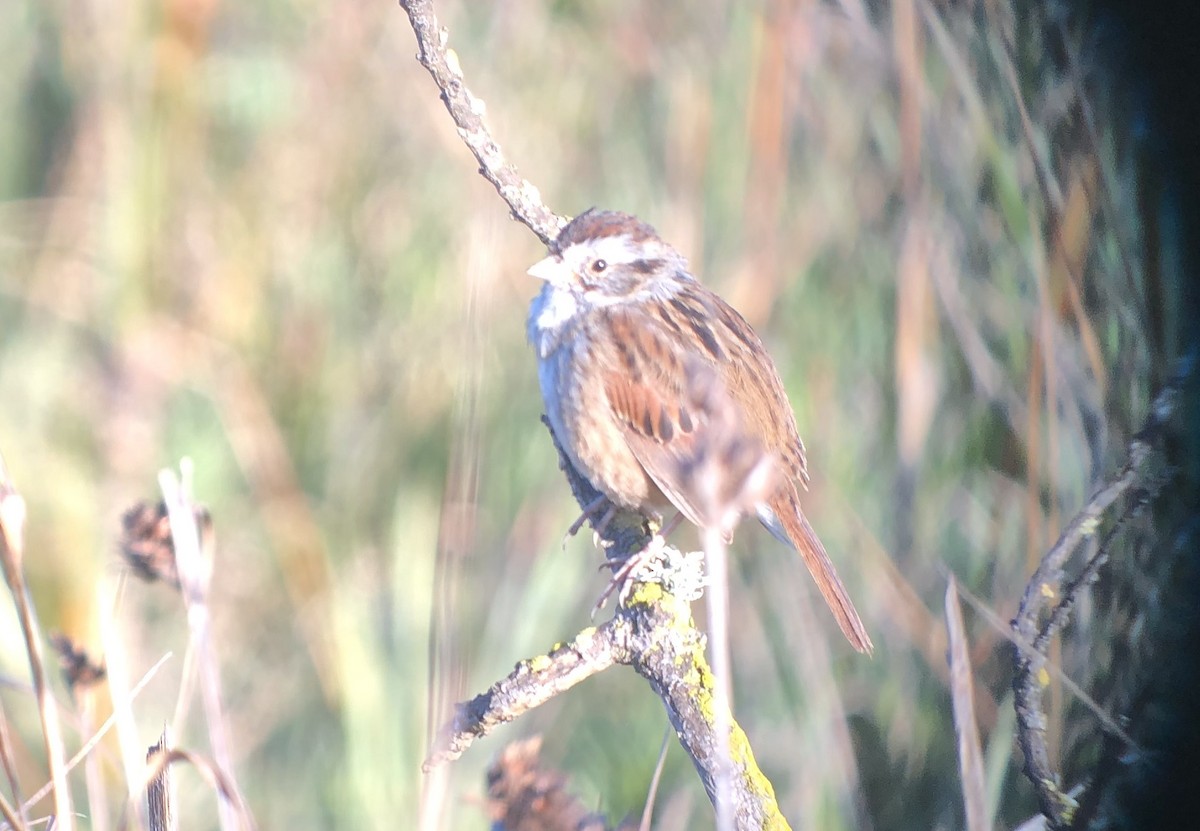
(247, 233)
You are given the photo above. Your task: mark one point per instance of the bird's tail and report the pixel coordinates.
(803, 538)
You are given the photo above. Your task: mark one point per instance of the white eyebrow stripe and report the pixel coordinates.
(619, 249)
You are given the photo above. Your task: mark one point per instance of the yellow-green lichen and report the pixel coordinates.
(756, 781)
(645, 594)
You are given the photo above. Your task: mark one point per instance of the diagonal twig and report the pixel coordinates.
(970, 756)
(533, 682)
(96, 737)
(522, 198)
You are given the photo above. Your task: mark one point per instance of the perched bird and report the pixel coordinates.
(640, 366)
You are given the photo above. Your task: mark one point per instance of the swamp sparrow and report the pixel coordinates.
(625, 336)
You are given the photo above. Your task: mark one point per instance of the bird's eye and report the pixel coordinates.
(599, 266)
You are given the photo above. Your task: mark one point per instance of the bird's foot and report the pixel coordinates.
(589, 511)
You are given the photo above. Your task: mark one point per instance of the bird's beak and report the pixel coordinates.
(550, 269)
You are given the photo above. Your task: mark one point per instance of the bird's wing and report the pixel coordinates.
(680, 420)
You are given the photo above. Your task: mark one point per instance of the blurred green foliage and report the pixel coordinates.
(248, 234)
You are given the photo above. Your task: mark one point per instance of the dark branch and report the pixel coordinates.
(1049, 595)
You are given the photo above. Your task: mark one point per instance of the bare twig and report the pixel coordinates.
(962, 694)
(732, 473)
(91, 743)
(522, 198)
(12, 541)
(193, 561)
(717, 598)
(652, 793)
(10, 815)
(531, 683)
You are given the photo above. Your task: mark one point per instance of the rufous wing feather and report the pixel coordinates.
(685, 429)
(661, 431)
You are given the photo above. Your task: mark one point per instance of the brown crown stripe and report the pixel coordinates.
(594, 224)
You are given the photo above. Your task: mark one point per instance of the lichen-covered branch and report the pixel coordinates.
(667, 650)
(652, 631)
(533, 682)
(1049, 595)
(467, 111)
